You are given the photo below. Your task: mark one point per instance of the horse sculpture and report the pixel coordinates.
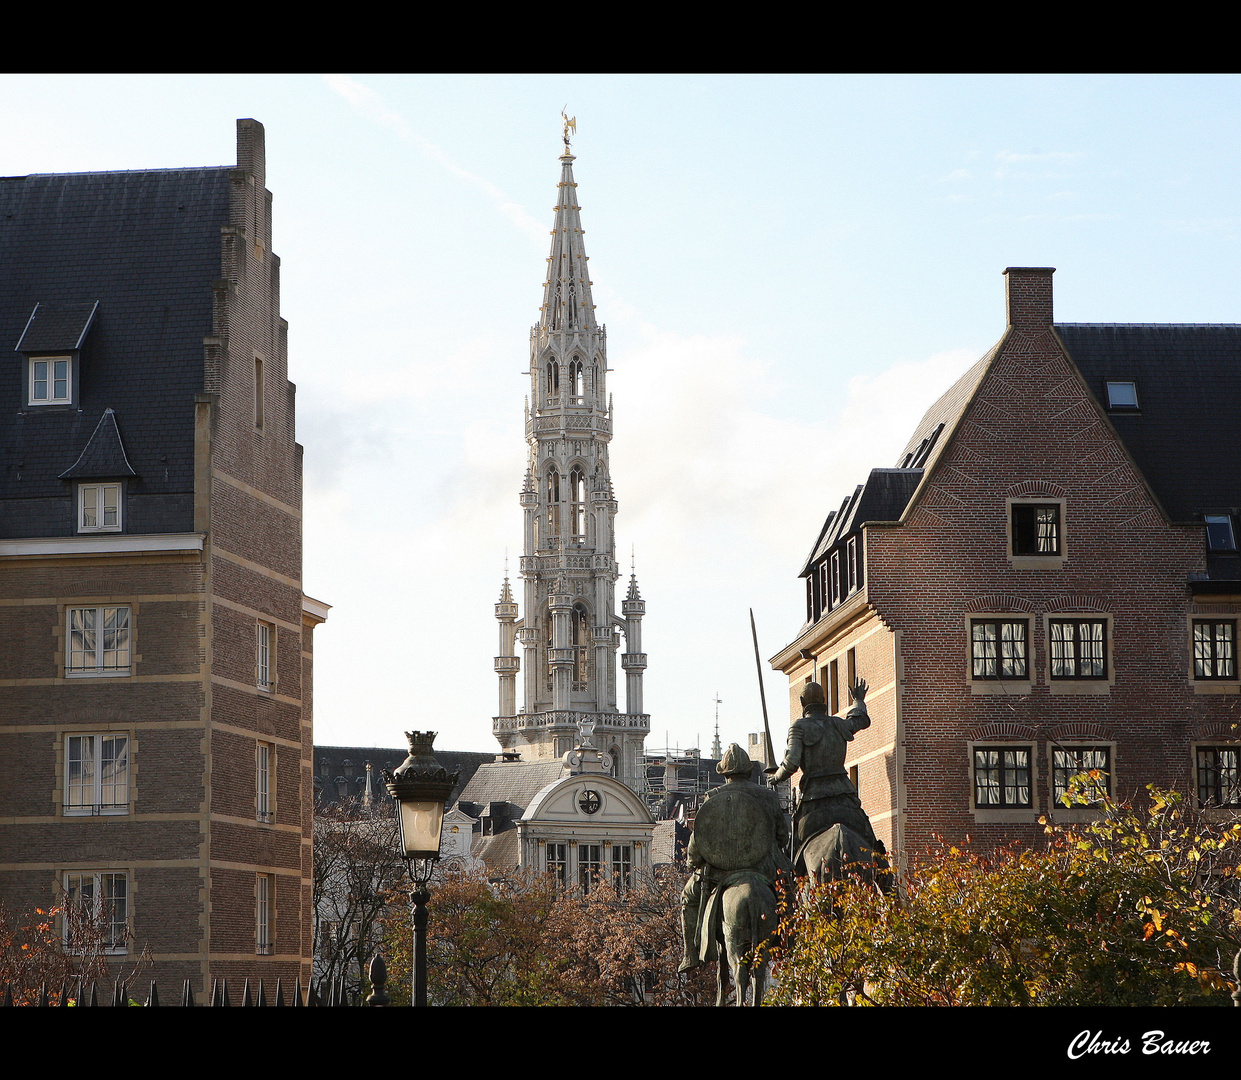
(745, 931)
(839, 850)
(738, 851)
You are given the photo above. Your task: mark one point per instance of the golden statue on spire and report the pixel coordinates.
(570, 126)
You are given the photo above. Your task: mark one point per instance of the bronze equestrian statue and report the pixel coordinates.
(738, 852)
(831, 832)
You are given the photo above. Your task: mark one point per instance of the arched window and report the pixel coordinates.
(553, 378)
(553, 502)
(575, 377)
(581, 647)
(577, 502)
(547, 646)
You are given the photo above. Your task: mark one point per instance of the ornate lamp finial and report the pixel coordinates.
(570, 125)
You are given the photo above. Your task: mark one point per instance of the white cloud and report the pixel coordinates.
(372, 106)
(1050, 155)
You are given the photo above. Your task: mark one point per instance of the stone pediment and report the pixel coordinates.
(571, 801)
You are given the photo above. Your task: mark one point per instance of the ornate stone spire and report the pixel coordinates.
(568, 629)
(567, 303)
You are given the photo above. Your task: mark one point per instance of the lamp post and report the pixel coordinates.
(421, 786)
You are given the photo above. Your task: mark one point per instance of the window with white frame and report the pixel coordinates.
(1220, 533)
(1078, 648)
(1122, 394)
(1215, 649)
(1094, 762)
(999, 648)
(266, 638)
(96, 774)
(51, 380)
(1219, 776)
(264, 911)
(622, 866)
(558, 862)
(1002, 778)
(96, 911)
(263, 781)
(98, 641)
(589, 865)
(99, 508)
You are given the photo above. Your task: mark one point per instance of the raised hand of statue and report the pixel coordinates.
(858, 691)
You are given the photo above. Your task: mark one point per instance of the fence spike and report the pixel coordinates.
(43, 995)
(279, 991)
(377, 974)
(215, 991)
(245, 995)
(187, 995)
(93, 1002)
(153, 996)
(297, 993)
(64, 993)
(118, 993)
(224, 994)
(261, 999)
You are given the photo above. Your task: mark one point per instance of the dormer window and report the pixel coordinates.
(51, 380)
(51, 343)
(1122, 395)
(1220, 535)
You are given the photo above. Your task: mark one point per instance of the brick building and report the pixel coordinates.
(1047, 582)
(155, 642)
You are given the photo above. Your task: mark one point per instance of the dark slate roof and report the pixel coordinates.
(942, 417)
(104, 455)
(1186, 434)
(883, 497)
(511, 783)
(349, 762)
(498, 852)
(146, 246)
(57, 327)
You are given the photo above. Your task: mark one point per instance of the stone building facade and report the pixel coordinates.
(1047, 582)
(567, 623)
(155, 641)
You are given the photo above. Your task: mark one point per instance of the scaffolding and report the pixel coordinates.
(676, 775)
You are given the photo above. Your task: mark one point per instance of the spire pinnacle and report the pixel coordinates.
(633, 593)
(567, 303)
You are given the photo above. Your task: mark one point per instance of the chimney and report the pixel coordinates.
(251, 150)
(1028, 297)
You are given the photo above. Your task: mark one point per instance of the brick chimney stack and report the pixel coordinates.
(1028, 296)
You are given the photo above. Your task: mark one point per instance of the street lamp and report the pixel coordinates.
(421, 786)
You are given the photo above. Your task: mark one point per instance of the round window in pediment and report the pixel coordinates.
(589, 801)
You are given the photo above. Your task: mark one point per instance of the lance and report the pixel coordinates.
(771, 753)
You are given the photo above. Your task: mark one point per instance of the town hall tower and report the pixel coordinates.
(568, 629)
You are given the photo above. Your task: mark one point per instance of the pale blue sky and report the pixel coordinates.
(790, 268)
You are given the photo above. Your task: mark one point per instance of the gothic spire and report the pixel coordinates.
(633, 593)
(567, 303)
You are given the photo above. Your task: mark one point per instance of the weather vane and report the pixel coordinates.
(570, 126)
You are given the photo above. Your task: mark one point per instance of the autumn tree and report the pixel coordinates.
(515, 938)
(62, 947)
(1130, 909)
(357, 864)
